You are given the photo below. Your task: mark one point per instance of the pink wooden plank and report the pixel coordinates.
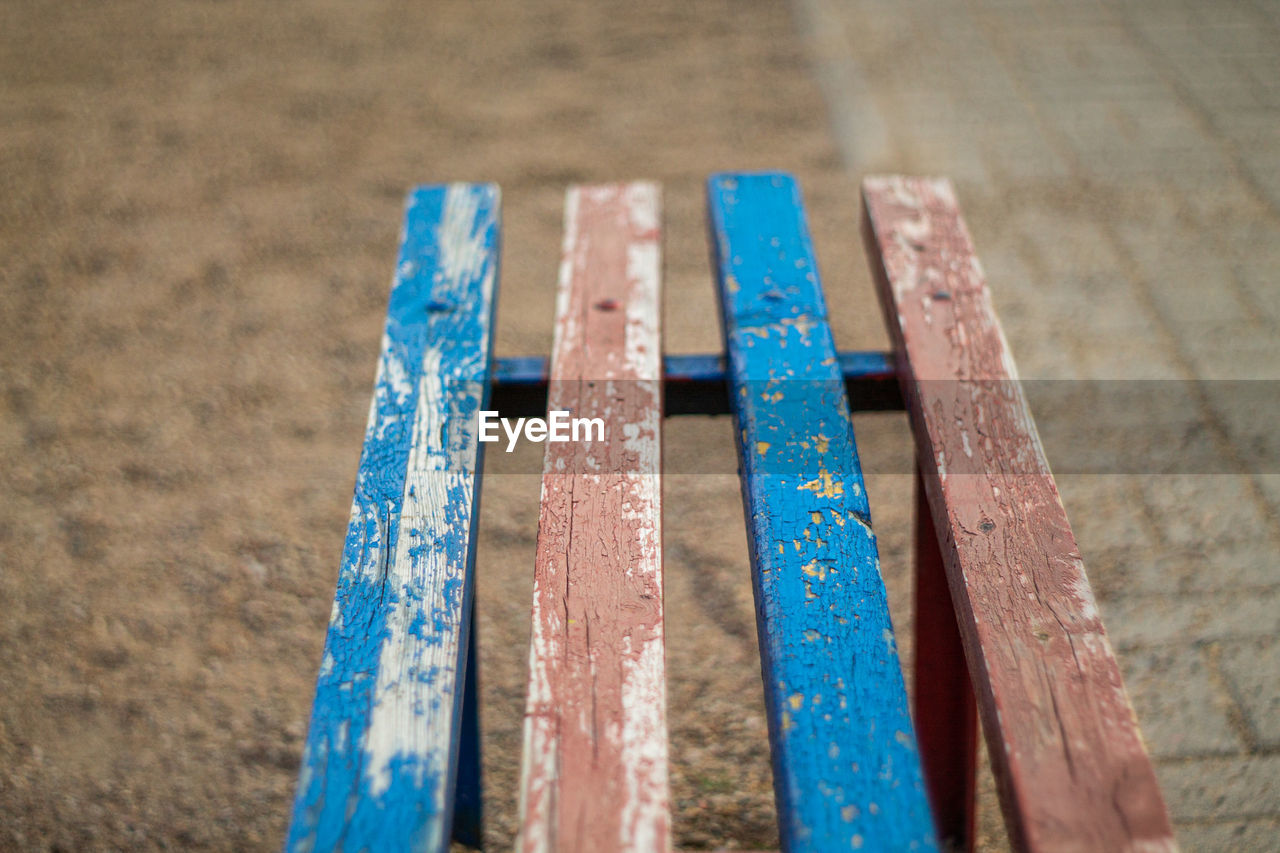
(1072, 770)
(595, 750)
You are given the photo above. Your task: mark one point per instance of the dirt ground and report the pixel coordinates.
(199, 210)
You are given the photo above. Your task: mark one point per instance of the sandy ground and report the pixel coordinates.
(199, 208)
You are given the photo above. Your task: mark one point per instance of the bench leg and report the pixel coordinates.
(467, 828)
(946, 715)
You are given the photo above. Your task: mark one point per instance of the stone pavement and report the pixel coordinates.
(1119, 165)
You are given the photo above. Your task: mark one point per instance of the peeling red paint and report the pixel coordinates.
(1065, 746)
(595, 761)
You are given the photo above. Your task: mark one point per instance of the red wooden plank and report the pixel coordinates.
(946, 717)
(1069, 760)
(595, 751)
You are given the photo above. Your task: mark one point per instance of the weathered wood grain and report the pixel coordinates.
(380, 762)
(1064, 743)
(846, 769)
(594, 773)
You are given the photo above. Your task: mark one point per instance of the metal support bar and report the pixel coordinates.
(695, 384)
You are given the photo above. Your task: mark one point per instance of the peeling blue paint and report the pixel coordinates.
(439, 311)
(846, 768)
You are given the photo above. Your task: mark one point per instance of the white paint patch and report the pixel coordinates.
(417, 687)
(462, 244)
(539, 769)
(643, 202)
(644, 264)
(566, 321)
(417, 676)
(644, 745)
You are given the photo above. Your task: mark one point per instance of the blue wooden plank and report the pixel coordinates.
(846, 768)
(380, 763)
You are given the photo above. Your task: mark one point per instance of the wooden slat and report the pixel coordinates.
(846, 769)
(595, 748)
(1072, 770)
(380, 762)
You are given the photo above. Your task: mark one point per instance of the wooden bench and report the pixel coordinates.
(1006, 626)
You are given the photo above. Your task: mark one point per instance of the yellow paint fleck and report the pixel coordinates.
(796, 700)
(821, 443)
(824, 486)
(814, 569)
(816, 516)
(787, 723)
(762, 447)
(732, 284)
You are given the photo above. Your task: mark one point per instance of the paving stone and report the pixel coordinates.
(1190, 511)
(1183, 712)
(1258, 836)
(1122, 571)
(1103, 510)
(1177, 272)
(1253, 672)
(1222, 788)
(1269, 485)
(1116, 571)
(1155, 620)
